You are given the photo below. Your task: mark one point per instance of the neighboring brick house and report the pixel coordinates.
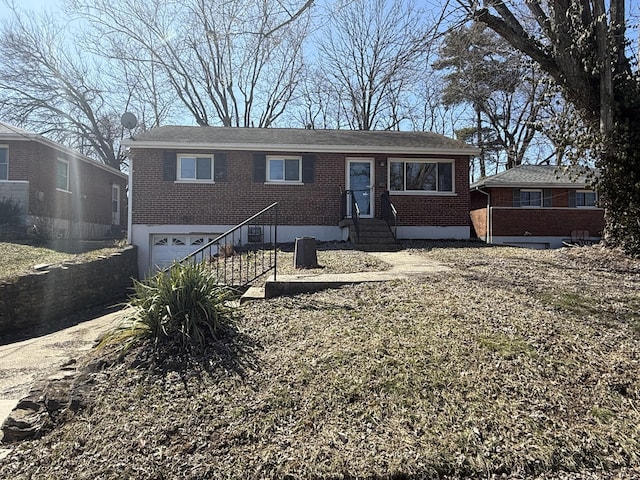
(536, 206)
(68, 193)
(189, 183)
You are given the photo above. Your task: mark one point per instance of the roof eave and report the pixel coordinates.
(353, 149)
(531, 185)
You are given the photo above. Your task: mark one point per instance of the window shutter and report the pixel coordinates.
(220, 167)
(259, 167)
(516, 197)
(170, 165)
(308, 165)
(547, 198)
(572, 198)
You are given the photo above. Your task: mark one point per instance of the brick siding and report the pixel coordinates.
(90, 185)
(546, 221)
(156, 201)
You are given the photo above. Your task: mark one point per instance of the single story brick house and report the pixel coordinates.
(63, 191)
(536, 206)
(190, 184)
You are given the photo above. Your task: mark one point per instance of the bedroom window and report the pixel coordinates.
(586, 198)
(284, 169)
(531, 198)
(62, 175)
(4, 163)
(420, 176)
(195, 168)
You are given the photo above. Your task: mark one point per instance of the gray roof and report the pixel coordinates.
(9, 131)
(300, 140)
(536, 176)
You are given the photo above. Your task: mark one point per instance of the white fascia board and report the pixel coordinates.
(533, 185)
(348, 149)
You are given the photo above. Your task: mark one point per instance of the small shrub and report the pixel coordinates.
(184, 306)
(9, 212)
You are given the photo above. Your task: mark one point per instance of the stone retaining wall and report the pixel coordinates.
(40, 299)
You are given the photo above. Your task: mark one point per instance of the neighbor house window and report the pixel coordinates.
(193, 168)
(62, 175)
(420, 176)
(586, 198)
(284, 169)
(4, 163)
(531, 198)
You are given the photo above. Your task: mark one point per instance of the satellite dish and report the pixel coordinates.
(128, 120)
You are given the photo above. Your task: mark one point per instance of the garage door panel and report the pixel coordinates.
(166, 248)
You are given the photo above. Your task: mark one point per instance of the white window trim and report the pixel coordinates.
(421, 192)
(586, 206)
(540, 191)
(284, 182)
(179, 178)
(66, 162)
(5, 147)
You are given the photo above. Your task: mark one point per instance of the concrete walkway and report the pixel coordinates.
(23, 362)
(403, 265)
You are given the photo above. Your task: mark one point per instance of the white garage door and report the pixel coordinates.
(169, 247)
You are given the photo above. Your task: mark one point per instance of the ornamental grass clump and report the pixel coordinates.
(183, 306)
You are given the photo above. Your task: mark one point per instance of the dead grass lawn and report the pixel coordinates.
(516, 363)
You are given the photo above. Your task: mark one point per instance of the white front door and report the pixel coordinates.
(360, 173)
(115, 204)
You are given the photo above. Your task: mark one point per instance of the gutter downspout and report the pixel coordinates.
(130, 206)
(489, 238)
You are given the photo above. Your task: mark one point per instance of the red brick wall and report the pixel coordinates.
(156, 201)
(90, 186)
(557, 221)
(437, 210)
(546, 221)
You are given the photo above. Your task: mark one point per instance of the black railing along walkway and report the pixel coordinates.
(244, 253)
(389, 214)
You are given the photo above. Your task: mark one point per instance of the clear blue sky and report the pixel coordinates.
(37, 5)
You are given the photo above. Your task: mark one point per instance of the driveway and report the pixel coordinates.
(23, 362)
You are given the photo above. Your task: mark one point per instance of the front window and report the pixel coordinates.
(586, 198)
(62, 175)
(531, 198)
(4, 163)
(195, 168)
(284, 169)
(420, 176)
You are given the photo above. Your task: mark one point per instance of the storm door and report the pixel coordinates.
(360, 182)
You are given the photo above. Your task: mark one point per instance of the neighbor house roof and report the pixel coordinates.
(299, 140)
(12, 133)
(536, 176)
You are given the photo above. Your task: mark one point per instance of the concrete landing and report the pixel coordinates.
(404, 265)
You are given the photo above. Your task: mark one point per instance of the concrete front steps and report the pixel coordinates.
(375, 236)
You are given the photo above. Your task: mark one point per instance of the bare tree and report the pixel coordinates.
(234, 63)
(371, 52)
(52, 87)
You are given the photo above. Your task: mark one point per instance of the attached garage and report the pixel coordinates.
(165, 248)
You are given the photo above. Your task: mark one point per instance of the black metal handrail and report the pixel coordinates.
(389, 214)
(348, 197)
(245, 252)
